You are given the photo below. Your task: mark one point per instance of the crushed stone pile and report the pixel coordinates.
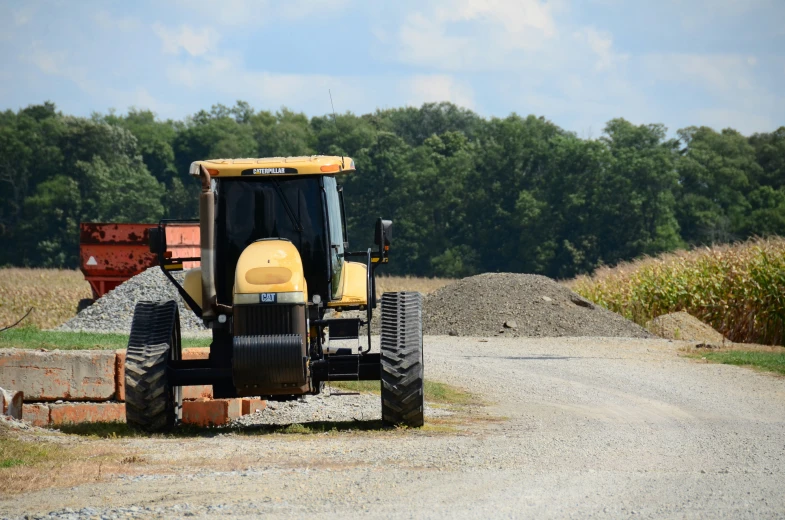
(115, 310)
(519, 305)
(686, 327)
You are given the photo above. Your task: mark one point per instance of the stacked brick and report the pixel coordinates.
(76, 386)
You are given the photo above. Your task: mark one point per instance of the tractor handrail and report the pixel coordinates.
(163, 262)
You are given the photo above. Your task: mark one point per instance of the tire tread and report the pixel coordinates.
(402, 360)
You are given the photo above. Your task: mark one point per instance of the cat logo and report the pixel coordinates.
(267, 297)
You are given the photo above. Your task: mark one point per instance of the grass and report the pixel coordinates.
(738, 289)
(435, 392)
(761, 360)
(32, 338)
(32, 464)
(14, 452)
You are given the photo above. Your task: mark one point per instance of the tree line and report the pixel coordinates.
(468, 194)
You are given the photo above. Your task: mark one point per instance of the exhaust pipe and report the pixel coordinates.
(207, 235)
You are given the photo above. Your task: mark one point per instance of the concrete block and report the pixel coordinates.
(81, 375)
(36, 414)
(11, 403)
(198, 392)
(74, 413)
(196, 353)
(252, 405)
(211, 413)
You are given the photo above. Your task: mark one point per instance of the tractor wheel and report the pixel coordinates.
(402, 360)
(151, 403)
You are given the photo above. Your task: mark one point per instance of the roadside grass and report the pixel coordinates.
(32, 464)
(32, 338)
(767, 361)
(14, 452)
(435, 392)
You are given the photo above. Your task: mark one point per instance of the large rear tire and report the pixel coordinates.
(151, 403)
(403, 402)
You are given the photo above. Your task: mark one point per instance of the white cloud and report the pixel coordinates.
(24, 15)
(475, 34)
(435, 88)
(720, 73)
(48, 62)
(270, 89)
(194, 42)
(731, 93)
(601, 44)
(744, 121)
(254, 12)
(108, 22)
(55, 63)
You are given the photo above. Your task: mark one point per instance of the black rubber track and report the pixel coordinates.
(151, 404)
(402, 360)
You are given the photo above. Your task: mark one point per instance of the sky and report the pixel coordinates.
(579, 63)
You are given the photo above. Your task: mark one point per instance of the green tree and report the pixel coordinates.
(714, 173)
(49, 232)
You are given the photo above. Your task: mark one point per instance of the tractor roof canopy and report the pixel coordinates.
(313, 165)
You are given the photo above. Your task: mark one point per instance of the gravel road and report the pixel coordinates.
(584, 427)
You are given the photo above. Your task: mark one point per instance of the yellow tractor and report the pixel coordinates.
(273, 262)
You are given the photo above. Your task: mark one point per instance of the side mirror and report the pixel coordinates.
(157, 239)
(383, 233)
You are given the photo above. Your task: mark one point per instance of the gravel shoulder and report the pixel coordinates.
(604, 427)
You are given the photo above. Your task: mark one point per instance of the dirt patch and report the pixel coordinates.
(686, 327)
(519, 305)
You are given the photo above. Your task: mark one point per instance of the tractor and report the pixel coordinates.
(274, 280)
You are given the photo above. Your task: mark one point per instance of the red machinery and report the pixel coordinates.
(110, 254)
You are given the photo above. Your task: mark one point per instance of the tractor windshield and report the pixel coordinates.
(290, 208)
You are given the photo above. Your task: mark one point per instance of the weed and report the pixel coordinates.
(14, 452)
(133, 459)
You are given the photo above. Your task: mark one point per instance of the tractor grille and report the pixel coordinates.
(265, 320)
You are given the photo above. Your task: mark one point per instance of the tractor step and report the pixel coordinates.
(353, 367)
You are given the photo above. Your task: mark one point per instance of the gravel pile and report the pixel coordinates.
(686, 327)
(115, 310)
(519, 305)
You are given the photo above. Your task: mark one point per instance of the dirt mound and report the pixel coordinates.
(684, 326)
(520, 305)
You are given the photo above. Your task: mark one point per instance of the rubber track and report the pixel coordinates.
(149, 402)
(402, 359)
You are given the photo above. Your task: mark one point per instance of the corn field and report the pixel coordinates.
(52, 293)
(737, 289)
